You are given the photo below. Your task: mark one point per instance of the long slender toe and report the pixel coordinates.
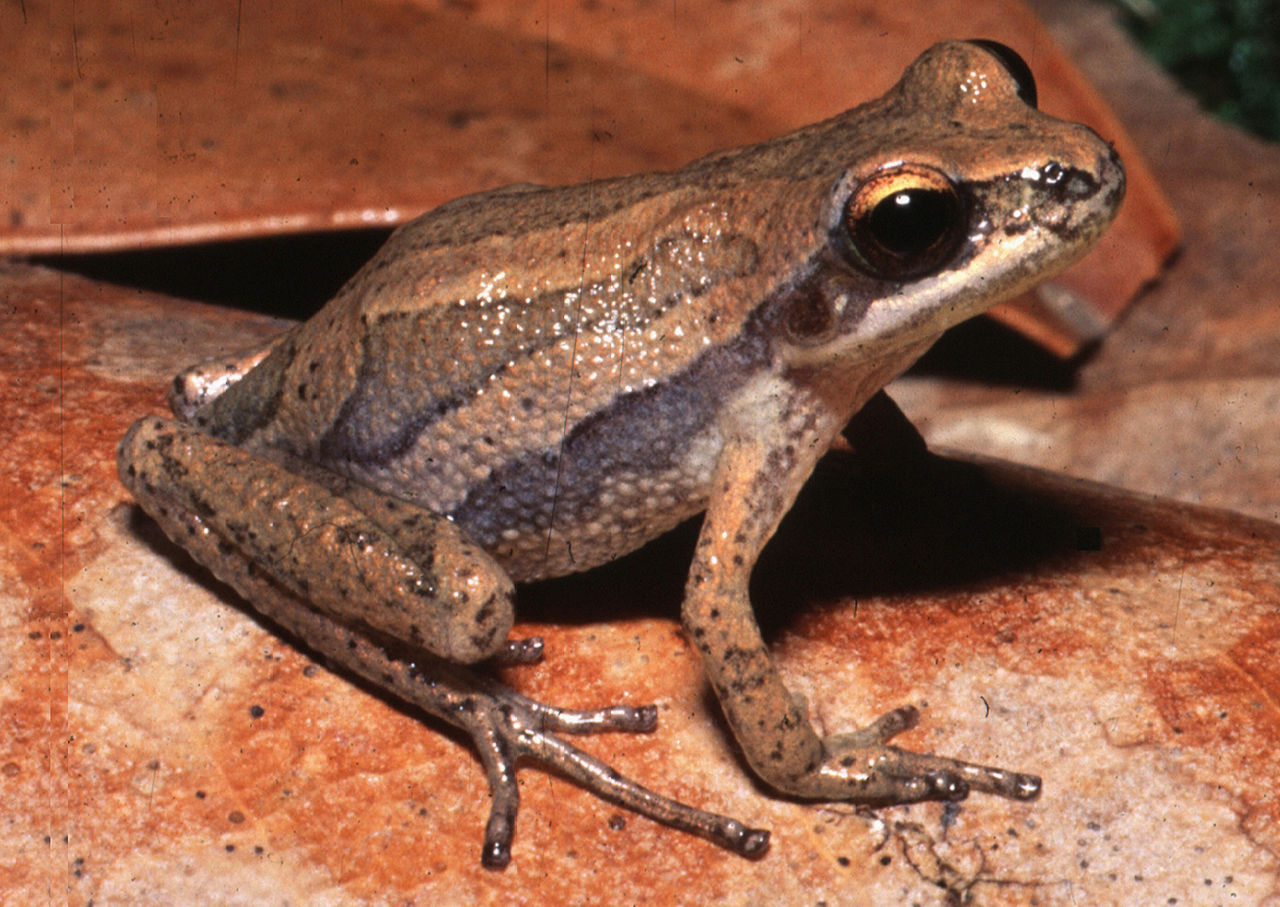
(753, 843)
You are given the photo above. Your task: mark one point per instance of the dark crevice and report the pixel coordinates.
(983, 351)
(285, 276)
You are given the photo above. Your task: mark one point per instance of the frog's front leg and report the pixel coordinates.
(757, 478)
(320, 564)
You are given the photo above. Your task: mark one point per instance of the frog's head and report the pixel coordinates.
(961, 195)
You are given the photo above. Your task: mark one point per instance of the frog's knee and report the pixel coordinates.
(141, 450)
(477, 597)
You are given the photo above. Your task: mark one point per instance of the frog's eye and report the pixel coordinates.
(904, 222)
(1014, 65)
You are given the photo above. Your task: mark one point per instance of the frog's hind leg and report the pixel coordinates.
(360, 557)
(505, 726)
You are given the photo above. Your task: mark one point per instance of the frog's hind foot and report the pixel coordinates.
(507, 726)
(504, 725)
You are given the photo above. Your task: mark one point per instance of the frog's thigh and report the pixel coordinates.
(398, 568)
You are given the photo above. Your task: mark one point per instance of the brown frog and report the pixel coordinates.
(533, 381)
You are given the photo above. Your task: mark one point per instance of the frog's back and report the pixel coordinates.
(529, 356)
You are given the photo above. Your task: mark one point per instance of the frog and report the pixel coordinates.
(533, 381)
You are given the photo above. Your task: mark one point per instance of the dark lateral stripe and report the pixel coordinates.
(403, 387)
(642, 433)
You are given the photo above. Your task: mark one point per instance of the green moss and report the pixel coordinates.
(1226, 52)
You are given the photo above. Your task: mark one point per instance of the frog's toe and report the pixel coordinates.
(634, 719)
(501, 827)
(1014, 785)
(526, 651)
(953, 779)
(882, 730)
(944, 786)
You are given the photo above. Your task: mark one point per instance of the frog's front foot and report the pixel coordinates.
(506, 726)
(859, 766)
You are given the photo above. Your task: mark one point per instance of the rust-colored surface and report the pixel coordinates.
(134, 124)
(164, 746)
(157, 125)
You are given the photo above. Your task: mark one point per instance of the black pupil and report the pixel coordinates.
(910, 221)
